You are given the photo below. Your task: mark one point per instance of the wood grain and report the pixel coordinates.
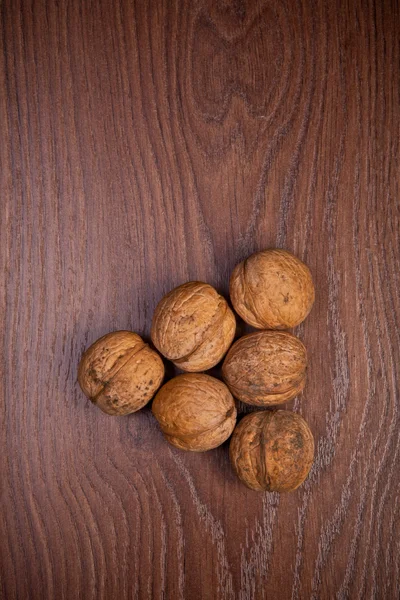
(147, 143)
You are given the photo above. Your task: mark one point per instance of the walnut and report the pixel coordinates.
(272, 290)
(266, 367)
(195, 412)
(193, 326)
(120, 373)
(272, 450)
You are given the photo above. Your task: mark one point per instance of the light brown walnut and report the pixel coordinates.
(193, 326)
(195, 412)
(120, 373)
(272, 450)
(272, 289)
(266, 367)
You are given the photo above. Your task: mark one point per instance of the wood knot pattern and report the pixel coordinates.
(231, 100)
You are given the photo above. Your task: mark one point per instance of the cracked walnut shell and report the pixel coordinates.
(193, 326)
(272, 450)
(195, 412)
(272, 289)
(120, 373)
(266, 367)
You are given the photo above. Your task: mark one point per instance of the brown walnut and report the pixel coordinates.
(266, 367)
(193, 326)
(120, 373)
(272, 289)
(195, 412)
(272, 450)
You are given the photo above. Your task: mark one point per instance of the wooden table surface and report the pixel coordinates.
(145, 143)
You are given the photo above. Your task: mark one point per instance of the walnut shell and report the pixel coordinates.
(266, 367)
(195, 412)
(272, 290)
(272, 450)
(120, 373)
(193, 326)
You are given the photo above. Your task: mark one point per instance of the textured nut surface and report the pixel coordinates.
(193, 326)
(120, 373)
(195, 412)
(272, 289)
(266, 367)
(272, 450)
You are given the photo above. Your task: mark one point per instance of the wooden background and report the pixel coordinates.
(146, 143)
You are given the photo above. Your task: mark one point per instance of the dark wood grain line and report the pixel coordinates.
(388, 453)
(344, 590)
(302, 513)
(181, 539)
(390, 579)
(340, 368)
(287, 196)
(225, 585)
(134, 541)
(260, 548)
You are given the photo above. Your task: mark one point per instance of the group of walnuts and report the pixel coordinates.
(194, 327)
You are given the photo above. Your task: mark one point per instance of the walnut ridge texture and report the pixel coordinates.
(193, 326)
(120, 373)
(266, 367)
(272, 289)
(195, 412)
(272, 450)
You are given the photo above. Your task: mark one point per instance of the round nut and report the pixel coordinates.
(195, 412)
(120, 373)
(272, 450)
(193, 326)
(272, 289)
(266, 367)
